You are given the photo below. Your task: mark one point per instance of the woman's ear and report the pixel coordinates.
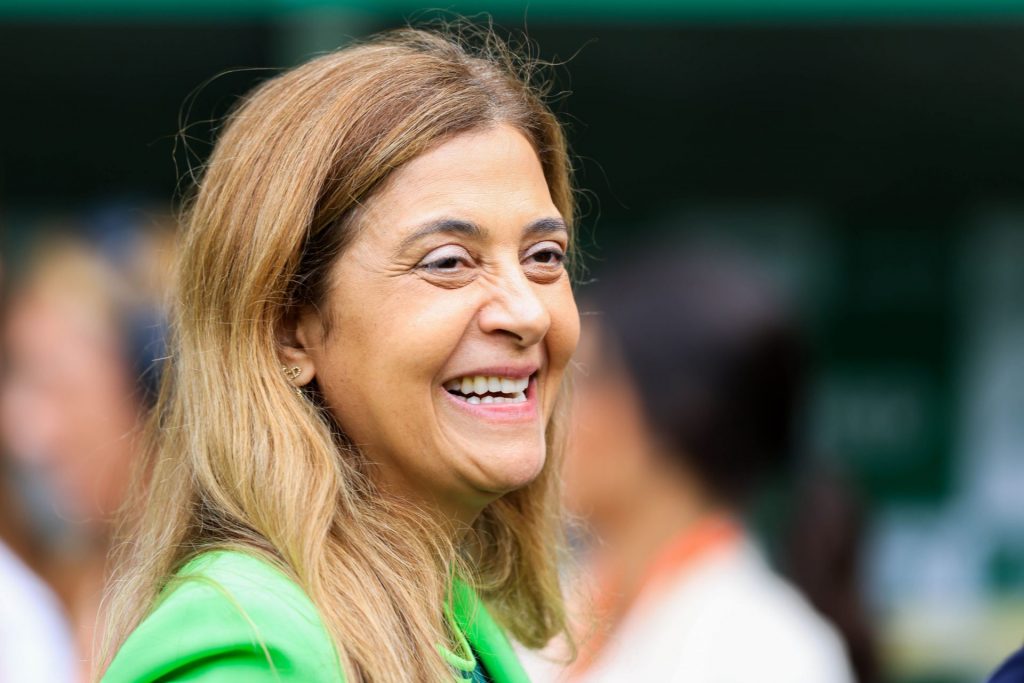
(298, 337)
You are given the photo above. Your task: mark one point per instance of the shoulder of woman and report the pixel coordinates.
(227, 616)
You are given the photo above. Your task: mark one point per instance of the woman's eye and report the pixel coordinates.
(547, 254)
(446, 263)
(445, 259)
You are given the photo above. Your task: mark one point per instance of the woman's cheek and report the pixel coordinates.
(411, 354)
(565, 327)
(562, 338)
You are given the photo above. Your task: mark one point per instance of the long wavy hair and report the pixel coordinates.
(235, 458)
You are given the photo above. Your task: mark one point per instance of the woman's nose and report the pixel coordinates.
(515, 309)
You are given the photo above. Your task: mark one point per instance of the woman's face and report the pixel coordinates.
(452, 320)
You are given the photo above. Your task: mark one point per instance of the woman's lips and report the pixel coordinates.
(494, 398)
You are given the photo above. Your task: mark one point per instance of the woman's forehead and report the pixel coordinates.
(479, 172)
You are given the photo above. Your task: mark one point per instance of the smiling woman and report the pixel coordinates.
(356, 444)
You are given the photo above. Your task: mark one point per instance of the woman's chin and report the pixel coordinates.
(508, 472)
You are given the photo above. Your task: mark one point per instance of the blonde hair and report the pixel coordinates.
(236, 459)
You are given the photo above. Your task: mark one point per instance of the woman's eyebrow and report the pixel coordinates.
(453, 226)
(457, 226)
(546, 226)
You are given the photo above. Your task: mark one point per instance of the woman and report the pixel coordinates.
(356, 441)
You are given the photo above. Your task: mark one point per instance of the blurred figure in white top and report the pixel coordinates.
(689, 386)
(82, 336)
(35, 639)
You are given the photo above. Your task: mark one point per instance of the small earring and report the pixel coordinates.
(291, 374)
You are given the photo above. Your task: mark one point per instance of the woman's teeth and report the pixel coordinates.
(480, 389)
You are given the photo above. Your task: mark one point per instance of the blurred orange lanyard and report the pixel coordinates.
(611, 604)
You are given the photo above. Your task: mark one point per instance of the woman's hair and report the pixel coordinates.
(236, 459)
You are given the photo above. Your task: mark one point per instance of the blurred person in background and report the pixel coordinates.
(690, 383)
(35, 641)
(81, 335)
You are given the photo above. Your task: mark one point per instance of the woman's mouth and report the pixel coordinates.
(488, 389)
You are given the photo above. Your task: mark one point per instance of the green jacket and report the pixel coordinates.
(232, 617)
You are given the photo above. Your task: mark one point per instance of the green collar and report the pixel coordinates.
(485, 636)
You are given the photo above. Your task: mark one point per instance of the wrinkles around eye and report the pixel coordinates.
(545, 262)
(452, 266)
(449, 266)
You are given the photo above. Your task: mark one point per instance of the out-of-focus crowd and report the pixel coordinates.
(689, 388)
